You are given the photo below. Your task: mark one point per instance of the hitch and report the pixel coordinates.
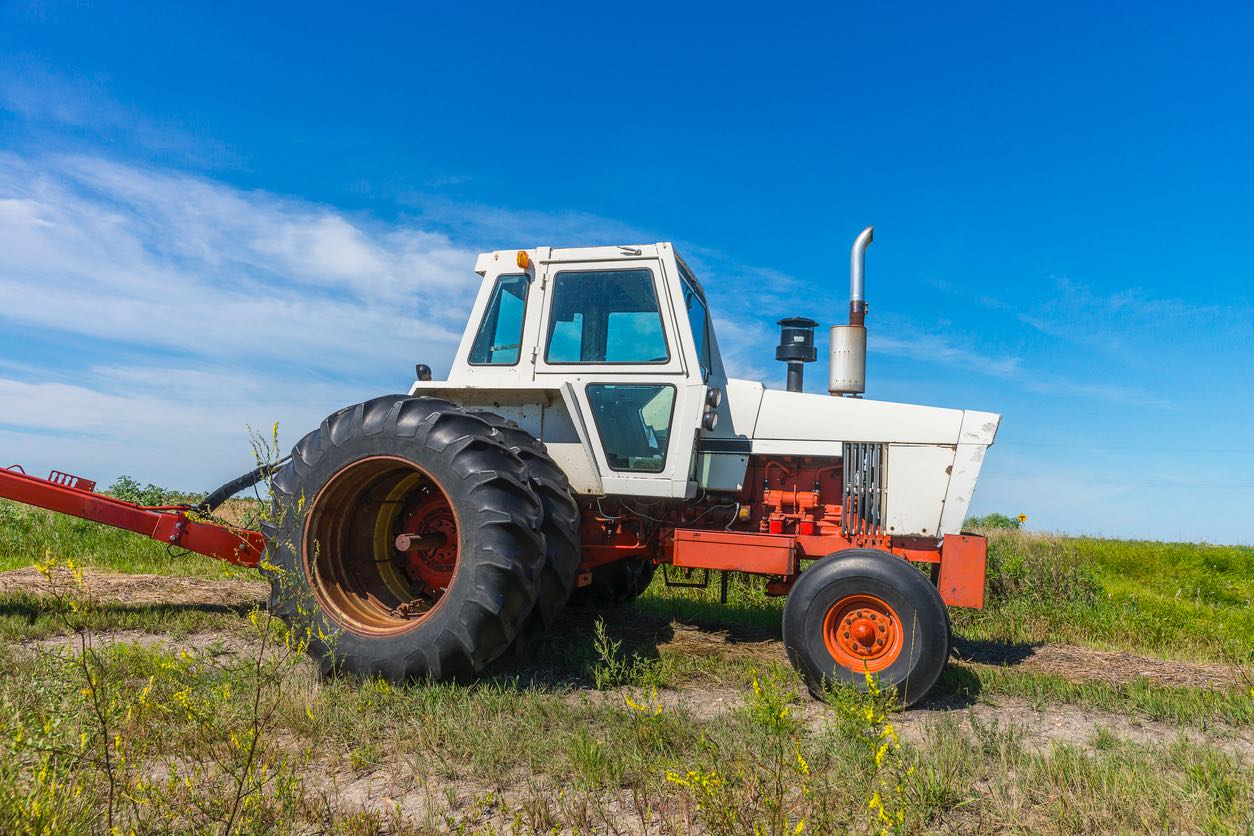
(169, 524)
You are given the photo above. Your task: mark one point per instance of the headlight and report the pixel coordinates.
(710, 420)
(714, 397)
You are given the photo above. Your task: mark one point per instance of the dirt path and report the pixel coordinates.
(1077, 664)
(1084, 664)
(142, 590)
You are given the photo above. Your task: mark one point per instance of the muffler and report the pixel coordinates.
(847, 363)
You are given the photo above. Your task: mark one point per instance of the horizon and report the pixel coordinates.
(215, 219)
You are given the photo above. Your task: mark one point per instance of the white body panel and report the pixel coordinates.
(933, 454)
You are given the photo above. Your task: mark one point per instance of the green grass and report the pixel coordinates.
(30, 535)
(1173, 600)
(27, 617)
(499, 749)
(532, 746)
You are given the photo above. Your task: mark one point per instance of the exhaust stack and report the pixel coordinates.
(847, 369)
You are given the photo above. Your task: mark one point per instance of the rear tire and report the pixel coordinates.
(385, 467)
(560, 525)
(864, 610)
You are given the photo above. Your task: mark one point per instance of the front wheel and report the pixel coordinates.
(864, 611)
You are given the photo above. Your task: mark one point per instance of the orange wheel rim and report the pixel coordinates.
(863, 633)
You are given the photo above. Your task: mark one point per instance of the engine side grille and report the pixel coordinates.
(865, 465)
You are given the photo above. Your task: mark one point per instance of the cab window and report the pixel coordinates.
(634, 422)
(698, 320)
(605, 316)
(499, 339)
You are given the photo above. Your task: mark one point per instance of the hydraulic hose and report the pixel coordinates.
(222, 494)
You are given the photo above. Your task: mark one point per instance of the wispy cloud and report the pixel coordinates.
(247, 306)
(156, 259)
(934, 348)
(56, 109)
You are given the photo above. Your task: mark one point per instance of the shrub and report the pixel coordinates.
(614, 668)
(1038, 569)
(997, 522)
(126, 488)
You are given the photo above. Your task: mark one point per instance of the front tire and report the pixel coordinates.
(400, 465)
(863, 610)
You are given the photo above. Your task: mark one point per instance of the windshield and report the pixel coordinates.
(605, 316)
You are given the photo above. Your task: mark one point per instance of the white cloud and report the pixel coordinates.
(171, 261)
(245, 306)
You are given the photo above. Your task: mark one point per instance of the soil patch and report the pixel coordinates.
(1083, 664)
(142, 589)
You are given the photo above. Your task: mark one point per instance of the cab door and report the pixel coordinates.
(609, 330)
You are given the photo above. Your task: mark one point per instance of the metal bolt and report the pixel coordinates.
(173, 538)
(872, 616)
(882, 628)
(846, 634)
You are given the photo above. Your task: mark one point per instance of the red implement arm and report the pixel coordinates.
(76, 497)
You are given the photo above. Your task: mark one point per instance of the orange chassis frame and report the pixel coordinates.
(959, 559)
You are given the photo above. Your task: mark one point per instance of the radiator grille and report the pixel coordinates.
(864, 468)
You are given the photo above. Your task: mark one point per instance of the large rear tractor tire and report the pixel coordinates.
(405, 541)
(560, 525)
(863, 610)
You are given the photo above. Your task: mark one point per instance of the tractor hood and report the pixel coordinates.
(777, 421)
(928, 458)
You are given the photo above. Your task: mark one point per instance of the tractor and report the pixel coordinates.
(588, 435)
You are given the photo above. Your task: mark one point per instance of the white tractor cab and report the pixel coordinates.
(608, 356)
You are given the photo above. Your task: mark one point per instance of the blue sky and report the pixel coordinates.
(214, 217)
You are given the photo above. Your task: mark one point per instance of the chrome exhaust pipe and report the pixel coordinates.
(847, 362)
(857, 273)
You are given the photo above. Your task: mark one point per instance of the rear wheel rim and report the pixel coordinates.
(863, 633)
(359, 578)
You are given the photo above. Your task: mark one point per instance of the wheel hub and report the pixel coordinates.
(863, 633)
(430, 567)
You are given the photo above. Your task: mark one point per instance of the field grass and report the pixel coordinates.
(675, 715)
(511, 756)
(31, 535)
(1173, 600)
